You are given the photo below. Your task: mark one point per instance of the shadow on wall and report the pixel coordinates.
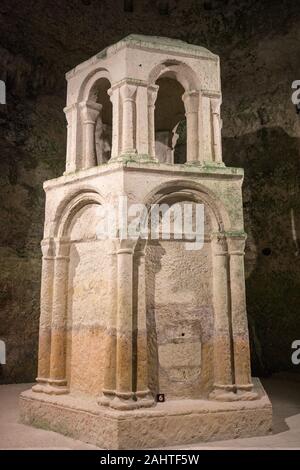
(271, 197)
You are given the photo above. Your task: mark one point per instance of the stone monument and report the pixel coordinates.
(127, 321)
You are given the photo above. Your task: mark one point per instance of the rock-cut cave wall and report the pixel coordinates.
(258, 42)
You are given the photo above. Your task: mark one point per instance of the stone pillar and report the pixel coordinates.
(124, 381)
(89, 114)
(114, 94)
(57, 378)
(109, 382)
(152, 95)
(216, 124)
(143, 393)
(241, 349)
(45, 315)
(191, 104)
(70, 162)
(223, 384)
(73, 138)
(142, 136)
(128, 95)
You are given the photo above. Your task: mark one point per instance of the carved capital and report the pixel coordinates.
(219, 244)
(128, 92)
(48, 248)
(89, 111)
(62, 248)
(191, 101)
(215, 104)
(152, 91)
(126, 246)
(236, 244)
(68, 110)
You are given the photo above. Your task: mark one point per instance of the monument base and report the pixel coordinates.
(171, 423)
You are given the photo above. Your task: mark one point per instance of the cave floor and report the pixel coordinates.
(283, 391)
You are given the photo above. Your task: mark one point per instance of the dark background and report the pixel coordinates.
(259, 46)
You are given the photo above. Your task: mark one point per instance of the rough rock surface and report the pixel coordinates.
(258, 43)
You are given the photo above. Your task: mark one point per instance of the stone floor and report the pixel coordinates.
(283, 390)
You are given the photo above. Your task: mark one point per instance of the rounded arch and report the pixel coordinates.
(89, 84)
(195, 192)
(177, 70)
(70, 206)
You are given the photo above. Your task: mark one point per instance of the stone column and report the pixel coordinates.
(89, 114)
(124, 391)
(241, 349)
(128, 95)
(45, 315)
(57, 378)
(223, 386)
(109, 382)
(73, 156)
(70, 165)
(191, 104)
(143, 393)
(152, 95)
(216, 123)
(114, 94)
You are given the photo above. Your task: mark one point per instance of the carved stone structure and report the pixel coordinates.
(125, 319)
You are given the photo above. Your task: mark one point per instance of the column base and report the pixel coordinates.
(233, 393)
(126, 401)
(223, 393)
(133, 157)
(245, 392)
(50, 386)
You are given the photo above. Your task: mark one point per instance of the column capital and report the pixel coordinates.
(128, 91)
(191, 101)
(68, 111)
(236, 243)
(62, 248)
(219, 243)
(48, 248)
(215, 104)
(152, 91)
(126, 246)
(90, 111)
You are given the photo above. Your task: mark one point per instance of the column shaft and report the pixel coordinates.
(128, 94)
(142, 390)
(241, 348)
(114, 94)
(109, 382)
(124, 322)
(59, 318)
(191, 102)
(45, 315)
(222, 341)
(217, 145)
(89, 114)
(152, 95)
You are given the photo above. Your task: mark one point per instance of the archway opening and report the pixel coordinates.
(180, 311)
(170, 122)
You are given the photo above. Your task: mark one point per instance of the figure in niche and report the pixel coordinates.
(103, 138)
(168, 123)
(103, 128)
(179, 148)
